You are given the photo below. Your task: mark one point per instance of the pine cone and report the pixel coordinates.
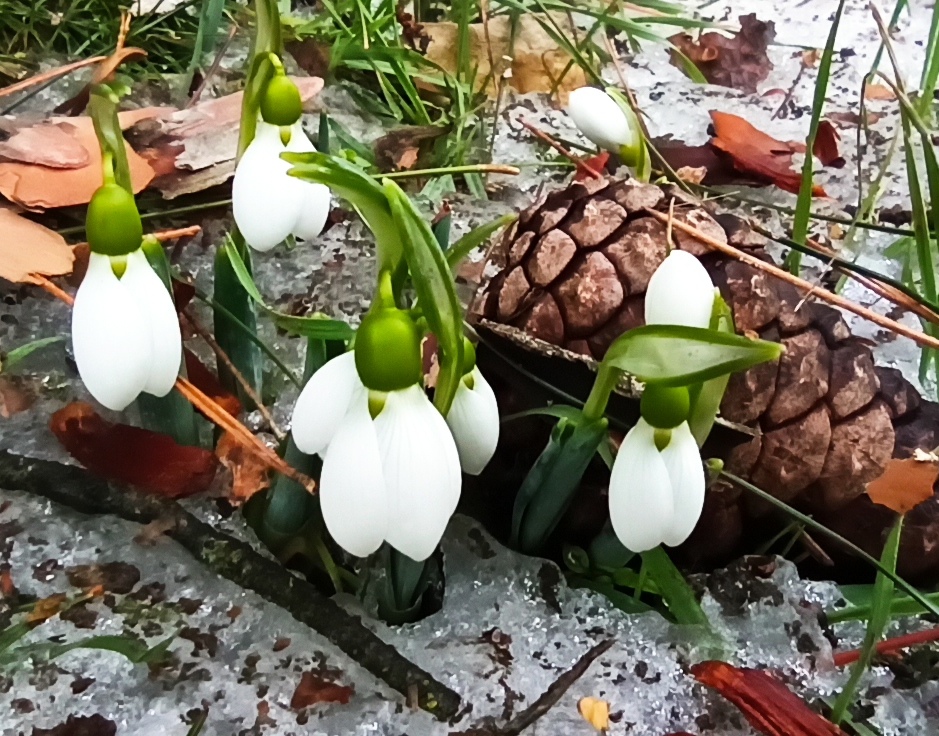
(574, 271)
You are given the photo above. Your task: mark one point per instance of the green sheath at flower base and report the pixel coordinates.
(112, 224)
(388, 350)
(281, 103)
(469, 356)
(665, 407)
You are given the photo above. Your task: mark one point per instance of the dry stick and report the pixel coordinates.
(50, 75)
(174, 234)
(196, 327)
(841, 659)
(216, 63)
(578, 162)
(549, 698)
(918, 337)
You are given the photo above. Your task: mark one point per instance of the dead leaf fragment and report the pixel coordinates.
(737, 61)
(765, 701)
(754, 152)
(26, 248)
(16, 395)
(49, 144)
(249, 473)
(595, 711)
(827, 143)
(904, 484)
(38, 187)
(147, 460)
(875, 91)
(314, 688)
(207, 382)
(46, 608)
(523, 53)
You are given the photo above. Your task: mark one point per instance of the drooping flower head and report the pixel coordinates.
(268, 204)
(602, 120)
(125, 331)
(474, 416)
(657, 483)
(391, 470)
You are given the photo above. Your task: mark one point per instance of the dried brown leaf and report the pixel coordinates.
(765, 701)
(26, 248)
(16, 395)
(314, 688)
(878, 92)
(754, 152)
(147, 460)
(249, 473)
(827, 143)
(737, 61)
(904, 484)
(38, 187)
(48, 144)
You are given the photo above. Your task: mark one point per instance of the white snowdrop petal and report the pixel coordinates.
(313, 211)
(156, 304)
(323, 404)
(683, 462)
(641, 498)
(474, 421)
(422, 471)
(680, 292)
(266, 201)
(352, 489)
(600, 119)
(110, 337)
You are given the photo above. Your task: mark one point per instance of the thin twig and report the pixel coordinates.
(193, 324)
(581, 165)
(52, 288)
(213, 69)
(50, 75)
(918, 337)
(843, 659)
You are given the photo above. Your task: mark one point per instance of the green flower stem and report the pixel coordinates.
(102, 107)
(603, 385)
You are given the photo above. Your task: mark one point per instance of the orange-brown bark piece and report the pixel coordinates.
(765, 701)
(757, 153)
(147, 460)
(27, 248)
(904, 484)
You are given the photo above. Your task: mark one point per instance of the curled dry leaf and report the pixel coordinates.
(758, 154)
(314, 688)
(26, 248)
(595, 711)
(37, 187)
(827, 140)
(249, 473)
(146, 460)
(765, 701)
(904, 484)
(737, 61)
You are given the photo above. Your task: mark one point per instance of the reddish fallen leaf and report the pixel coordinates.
(827, 140)
(765, 701)
(249, 473)
(594, 163)
(737, 61)
(207, 382)
(26, 247)
(754, 152)
(147, 460)
(314, 688)
(904, 484)
(34, 186)
(7, 588)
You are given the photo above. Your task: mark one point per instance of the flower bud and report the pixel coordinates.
(600, 118)
(112, 223)
(388, 350)
(281, 103)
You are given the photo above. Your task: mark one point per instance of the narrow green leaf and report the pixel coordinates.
(232, 297)
(475, 238)
(677, 594)
(437, 297)
(549, 487)
(876, 624)
(24, 351)
(673, 355)
(558, 411)
(706, 397)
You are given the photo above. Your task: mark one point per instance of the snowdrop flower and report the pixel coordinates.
(391, 469)
(601, 120)
(125, 331)
(474, 417)
(268, 203)
(657, 483)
